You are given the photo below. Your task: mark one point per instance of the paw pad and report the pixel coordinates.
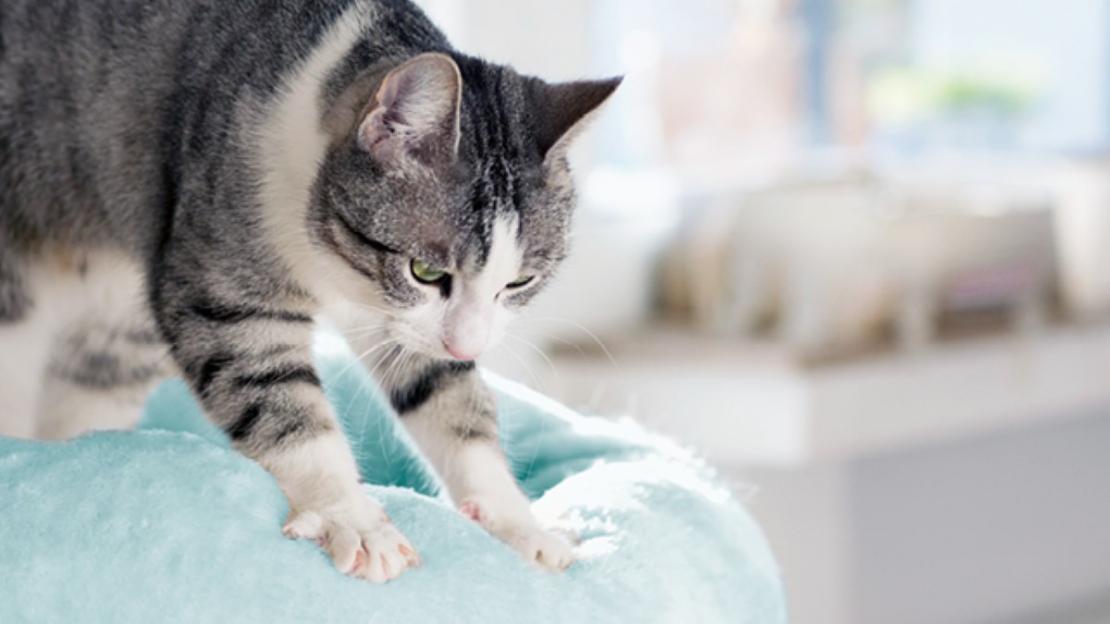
(471, 510)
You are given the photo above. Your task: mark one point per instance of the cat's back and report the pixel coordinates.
(81, 85)
(100, 99)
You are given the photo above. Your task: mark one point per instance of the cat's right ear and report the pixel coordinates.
(414, 116)
(562, 110)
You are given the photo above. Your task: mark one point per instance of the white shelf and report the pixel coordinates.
(751, 404)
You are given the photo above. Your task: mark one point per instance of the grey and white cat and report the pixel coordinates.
(186, 186)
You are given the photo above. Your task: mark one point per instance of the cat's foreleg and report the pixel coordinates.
(251, 365)
(450, 413)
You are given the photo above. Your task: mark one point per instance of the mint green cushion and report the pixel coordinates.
(167, 524)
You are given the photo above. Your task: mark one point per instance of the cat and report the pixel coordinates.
(188, 187)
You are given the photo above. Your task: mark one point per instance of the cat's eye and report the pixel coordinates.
(520, 282)
(426, 273)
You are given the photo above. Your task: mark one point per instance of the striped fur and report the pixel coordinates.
(189, 185)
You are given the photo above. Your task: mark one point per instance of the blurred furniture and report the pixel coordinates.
(837, 266)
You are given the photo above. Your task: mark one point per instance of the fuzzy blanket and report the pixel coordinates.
(166, 524)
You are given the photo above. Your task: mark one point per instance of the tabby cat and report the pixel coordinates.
(187, 186)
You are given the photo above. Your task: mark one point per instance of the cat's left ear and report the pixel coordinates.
(560, 111)
(415, 113)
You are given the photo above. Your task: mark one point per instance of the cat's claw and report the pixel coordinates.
(363, 545)
(541, 547)
(537, 545)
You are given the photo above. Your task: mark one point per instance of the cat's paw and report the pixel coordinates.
(361, 540)
(540, 546)
(522, 534)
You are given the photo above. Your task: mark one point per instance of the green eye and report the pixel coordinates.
(425, 274)
(521, 282)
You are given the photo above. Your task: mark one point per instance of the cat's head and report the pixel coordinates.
(447, 190)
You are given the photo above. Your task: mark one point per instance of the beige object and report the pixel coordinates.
(834, 267)
(1083, 231)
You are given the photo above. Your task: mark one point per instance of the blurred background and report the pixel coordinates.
(857, 254)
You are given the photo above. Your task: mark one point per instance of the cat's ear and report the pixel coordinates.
(561, 110)
(415, 113)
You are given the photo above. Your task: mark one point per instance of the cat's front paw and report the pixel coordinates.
(540, 546)
(360, 538)
(523, 534)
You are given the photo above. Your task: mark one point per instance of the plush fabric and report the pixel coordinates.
(166, 524)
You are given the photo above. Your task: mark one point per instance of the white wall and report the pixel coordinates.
(548, 39)
(1066, 42)
(1010, 527)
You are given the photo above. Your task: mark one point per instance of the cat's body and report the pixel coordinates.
(186, 186)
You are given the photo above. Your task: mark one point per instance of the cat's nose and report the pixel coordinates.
(461, 353)
(466, 331)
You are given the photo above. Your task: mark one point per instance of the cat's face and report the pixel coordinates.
(451, 197)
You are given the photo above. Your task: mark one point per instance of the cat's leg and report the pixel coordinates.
(26, 331)
(23, 349)
(98, 378)
(249, 360)
(451, 414)
(107, 356)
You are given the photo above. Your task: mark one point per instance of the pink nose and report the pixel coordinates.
(459, 353)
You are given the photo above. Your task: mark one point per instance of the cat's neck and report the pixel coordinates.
(291, 141)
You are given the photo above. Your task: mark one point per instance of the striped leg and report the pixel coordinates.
(98, 378)
(251, 366)
(37, 300)
(26, 326)
(24, 344)
(78, 350)
(450, 413)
